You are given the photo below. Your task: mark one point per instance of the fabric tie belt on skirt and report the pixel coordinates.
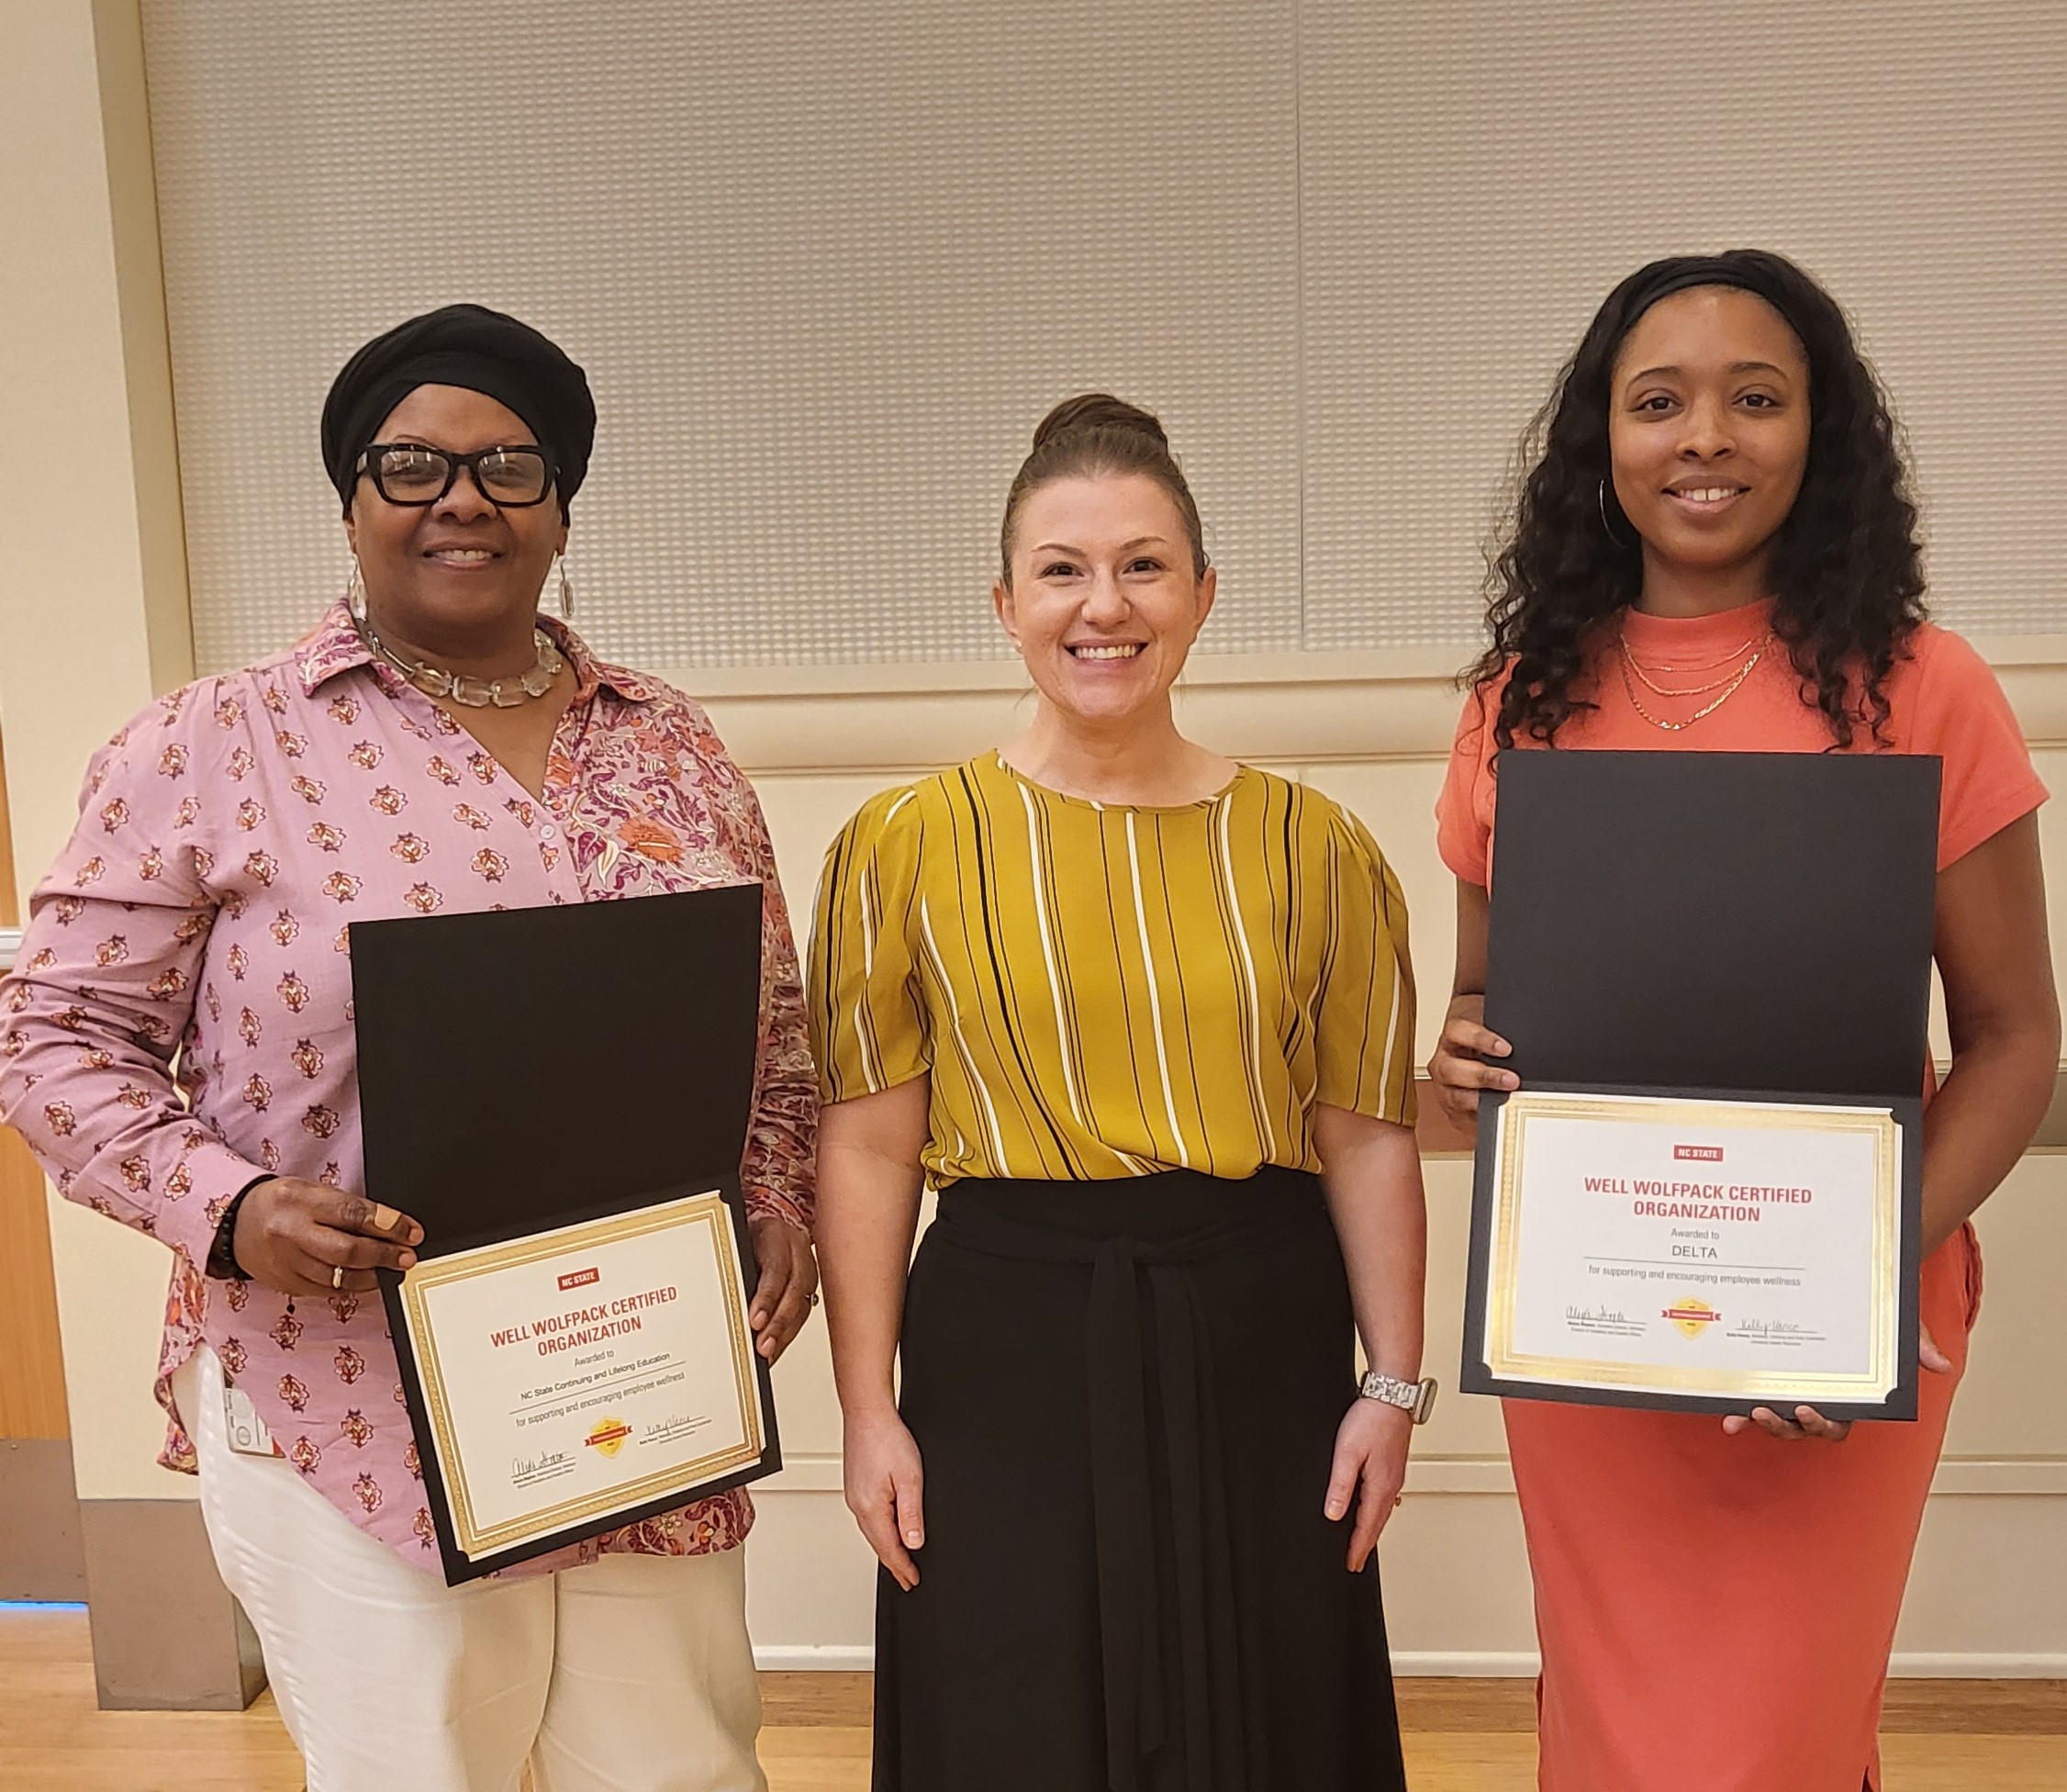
(1221, 1750)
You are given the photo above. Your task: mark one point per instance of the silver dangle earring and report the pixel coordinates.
(1601, 497)
(355, 593)
(566, 590)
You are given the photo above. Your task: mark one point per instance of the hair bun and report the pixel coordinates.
(1098, 410)
(1095, 435)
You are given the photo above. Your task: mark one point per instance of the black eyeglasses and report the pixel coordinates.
(413, 473)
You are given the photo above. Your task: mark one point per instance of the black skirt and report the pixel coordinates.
(1125, 1395)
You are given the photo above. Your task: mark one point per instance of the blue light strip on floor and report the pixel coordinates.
(40, 1604)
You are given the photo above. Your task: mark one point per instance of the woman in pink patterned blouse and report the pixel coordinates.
(178, 1049)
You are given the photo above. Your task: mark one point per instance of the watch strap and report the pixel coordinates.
(1417, 1399)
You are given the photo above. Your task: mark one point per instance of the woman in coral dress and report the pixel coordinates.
(1715, 551)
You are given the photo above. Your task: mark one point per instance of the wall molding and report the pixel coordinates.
(1307, 708)
(1999, 1477)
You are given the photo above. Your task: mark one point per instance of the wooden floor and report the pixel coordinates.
(1462, 1735)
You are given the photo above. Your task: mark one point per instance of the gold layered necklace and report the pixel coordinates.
(1727, 685)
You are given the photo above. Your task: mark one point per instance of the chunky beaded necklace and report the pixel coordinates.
(475, 693)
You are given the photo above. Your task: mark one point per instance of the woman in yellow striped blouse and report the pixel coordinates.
(1143, 1018)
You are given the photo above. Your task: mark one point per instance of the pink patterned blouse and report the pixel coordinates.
(179, 1021)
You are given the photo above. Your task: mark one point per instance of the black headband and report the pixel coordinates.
(470, 346)
(1682, 271)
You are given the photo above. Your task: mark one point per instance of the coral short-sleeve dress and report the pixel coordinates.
(1719, 1610)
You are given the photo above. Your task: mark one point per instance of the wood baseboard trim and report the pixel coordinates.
(1453, 1707)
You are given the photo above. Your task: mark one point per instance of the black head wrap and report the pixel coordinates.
(1749, 270)
(481, 350)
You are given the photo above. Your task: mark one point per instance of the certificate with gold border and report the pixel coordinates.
(583, 1377)
(1696, 1252)
(561, 1097)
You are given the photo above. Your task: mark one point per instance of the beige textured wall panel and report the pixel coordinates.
(1465, 1427)
(2013, 1402)
(1988, 1590)
(1458, 1595)
(1989, 1587)
(811, 1583)
(1397, 802)
(826, 261)
(804, 1398)
(1476, 174)
(2052, 764)
(803, 813)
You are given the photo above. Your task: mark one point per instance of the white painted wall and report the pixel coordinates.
(92, 600)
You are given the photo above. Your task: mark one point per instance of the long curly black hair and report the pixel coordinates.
(1847, 570)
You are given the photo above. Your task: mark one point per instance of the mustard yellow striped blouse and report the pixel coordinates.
(1101, 991)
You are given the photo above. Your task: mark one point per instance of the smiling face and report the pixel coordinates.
(1709, 428)
(1102, 603)
(461, 576)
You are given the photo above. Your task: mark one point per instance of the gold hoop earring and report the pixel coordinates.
(566, 590)
(355, 592)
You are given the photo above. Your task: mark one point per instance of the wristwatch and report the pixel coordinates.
(1415, 1397)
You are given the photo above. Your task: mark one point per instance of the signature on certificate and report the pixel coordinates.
(1780, 1332)
(675, 1426)
(1603, 1321)
(528, 1470)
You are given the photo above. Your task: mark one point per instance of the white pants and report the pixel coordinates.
(630, 1674)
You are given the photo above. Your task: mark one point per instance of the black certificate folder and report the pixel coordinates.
(565, 1073)
(1703, 927)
